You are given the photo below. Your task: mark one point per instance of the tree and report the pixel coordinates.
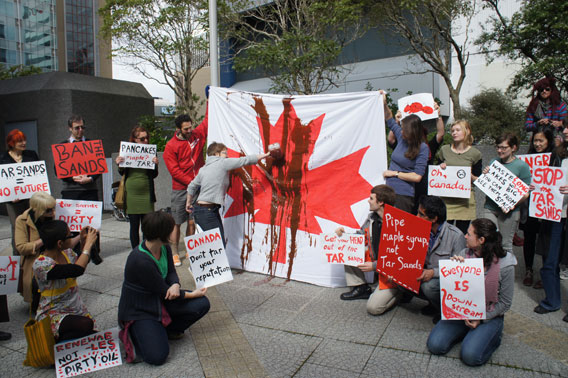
(434, 30)
(536, 36)
(18, 71)
(166, 35)
(296, 43)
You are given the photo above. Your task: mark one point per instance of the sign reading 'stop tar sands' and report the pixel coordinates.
(22, 180)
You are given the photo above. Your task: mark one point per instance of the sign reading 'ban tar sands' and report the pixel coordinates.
(22, 180)
(79, 158)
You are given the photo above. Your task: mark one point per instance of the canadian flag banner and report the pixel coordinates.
(333, 152)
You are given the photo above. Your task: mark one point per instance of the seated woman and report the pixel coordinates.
(56, 270)
(153, 308)
(480, 337)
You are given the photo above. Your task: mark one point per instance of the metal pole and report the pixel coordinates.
(213, 48)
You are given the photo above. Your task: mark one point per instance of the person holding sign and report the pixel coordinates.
(139, 183)
(508, 221)
(546, 106)
(153, 308)
(56, 271)
(480, 337)
(461, 153)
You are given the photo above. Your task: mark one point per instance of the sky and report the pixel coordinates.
(124, 72)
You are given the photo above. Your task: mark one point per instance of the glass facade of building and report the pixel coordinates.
(80, 36)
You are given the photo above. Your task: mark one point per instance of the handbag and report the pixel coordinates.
(40, 343)
(120, 196)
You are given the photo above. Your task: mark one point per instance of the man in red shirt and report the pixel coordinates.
(184, 157)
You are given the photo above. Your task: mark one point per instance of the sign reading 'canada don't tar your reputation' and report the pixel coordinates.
(207, 258)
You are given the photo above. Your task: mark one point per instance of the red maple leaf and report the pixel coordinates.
(285, 194)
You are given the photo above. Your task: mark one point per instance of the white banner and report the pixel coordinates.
(347, 249)
(334, 152)
(546, 199)
(79, 214)
(137, 155)
(9, 274)
(502, 186)
(536, 160)
(462, 289)
(450, 182)
(22, 180)
(421, 104)
(207, 258)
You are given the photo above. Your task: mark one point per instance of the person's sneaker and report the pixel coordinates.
(358, 292)
(541, 310)
(564, 274)
(518, 241)
(538, 285)
(565, 318)
(528, 281)
(175, 335)
(5, 336)
(177, 261)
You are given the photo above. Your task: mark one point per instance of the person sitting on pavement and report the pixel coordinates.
(153, 308)
(480, 337)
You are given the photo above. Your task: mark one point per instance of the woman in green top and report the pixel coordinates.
(140, 196)
(460, 211)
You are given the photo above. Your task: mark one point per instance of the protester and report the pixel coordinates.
(550, 269)
(507, 222)
(183, 156)
(355, 276)
(408, 160)
(480, 337)
(56, 271)
(212, 182)
(152, 306)
(461, 153)
(546, 107)
(139, 183)
(16, 153)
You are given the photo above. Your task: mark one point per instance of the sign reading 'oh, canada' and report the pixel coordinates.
(207, 258)
(462, 289)
(22, 180)
(449, 182)
(347, 249)
(137, 155)
(502, 186)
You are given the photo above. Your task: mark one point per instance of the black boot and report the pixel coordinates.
(358, 292)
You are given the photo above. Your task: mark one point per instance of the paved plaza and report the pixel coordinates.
(260, 327)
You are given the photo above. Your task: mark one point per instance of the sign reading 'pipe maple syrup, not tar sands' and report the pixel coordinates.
(79, 158)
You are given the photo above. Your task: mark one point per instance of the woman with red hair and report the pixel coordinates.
(546, 107)
(17, 153)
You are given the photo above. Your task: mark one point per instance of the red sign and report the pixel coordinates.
(79, 158)
(403, 247)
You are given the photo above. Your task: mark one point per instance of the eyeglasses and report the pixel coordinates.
(79, 127)
(70, 236)
(502, 148)
(545, 90)
(143, 138)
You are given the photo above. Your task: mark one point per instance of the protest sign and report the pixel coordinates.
(79, 158)
(88, 354)
(421, 104)
(403, 247)
(546, 199)
(207, 258)
(347, 249)
(449, 182)
(22, 180)
(462, 289)
(137, 155)
(79, 214)
(536, 160)
(502, 186)
(9, 274)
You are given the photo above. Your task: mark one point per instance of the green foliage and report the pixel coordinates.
(18, 71)
(536, 36)
(492, 113)
(159, 128)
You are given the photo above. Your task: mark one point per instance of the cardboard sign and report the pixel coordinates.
(79, 158)
(449, 182)
(347, 249)
(137, 155)
(9, 274)
(462, 289)
(22, 180)
(502, 186)
(421, 104)
(207, 258)
(536, 160)
(79, 214)
(91, 353)
(403, 247)
(546, 199)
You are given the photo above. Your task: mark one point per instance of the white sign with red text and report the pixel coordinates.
(502, 186)
(9, 274)
(450, 182)
(22, 180)
(421, 104)
(536, 160)
(546, 199)
(462, 289)
(137, 155)
(347, 249)
(208, 259)
(79, 214)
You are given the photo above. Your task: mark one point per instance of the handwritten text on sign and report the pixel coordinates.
(502, 186)
(421, 104)
(137, 155)
(88, 354)
(9, 274)
(22, 180)
(207, 258)
(546, 199)
(449, 182)
(347, 249)
(536, 160)
(79, 214)
(403, 247)
(462, 289)
(79, 158)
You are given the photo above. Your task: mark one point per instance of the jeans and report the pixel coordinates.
(550, 272)
(208, 218)
(478, 344)
(431, 291)
(150, 338)
(507, 225)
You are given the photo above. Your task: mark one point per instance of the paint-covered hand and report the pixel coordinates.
(173, 292)
(426, 275)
